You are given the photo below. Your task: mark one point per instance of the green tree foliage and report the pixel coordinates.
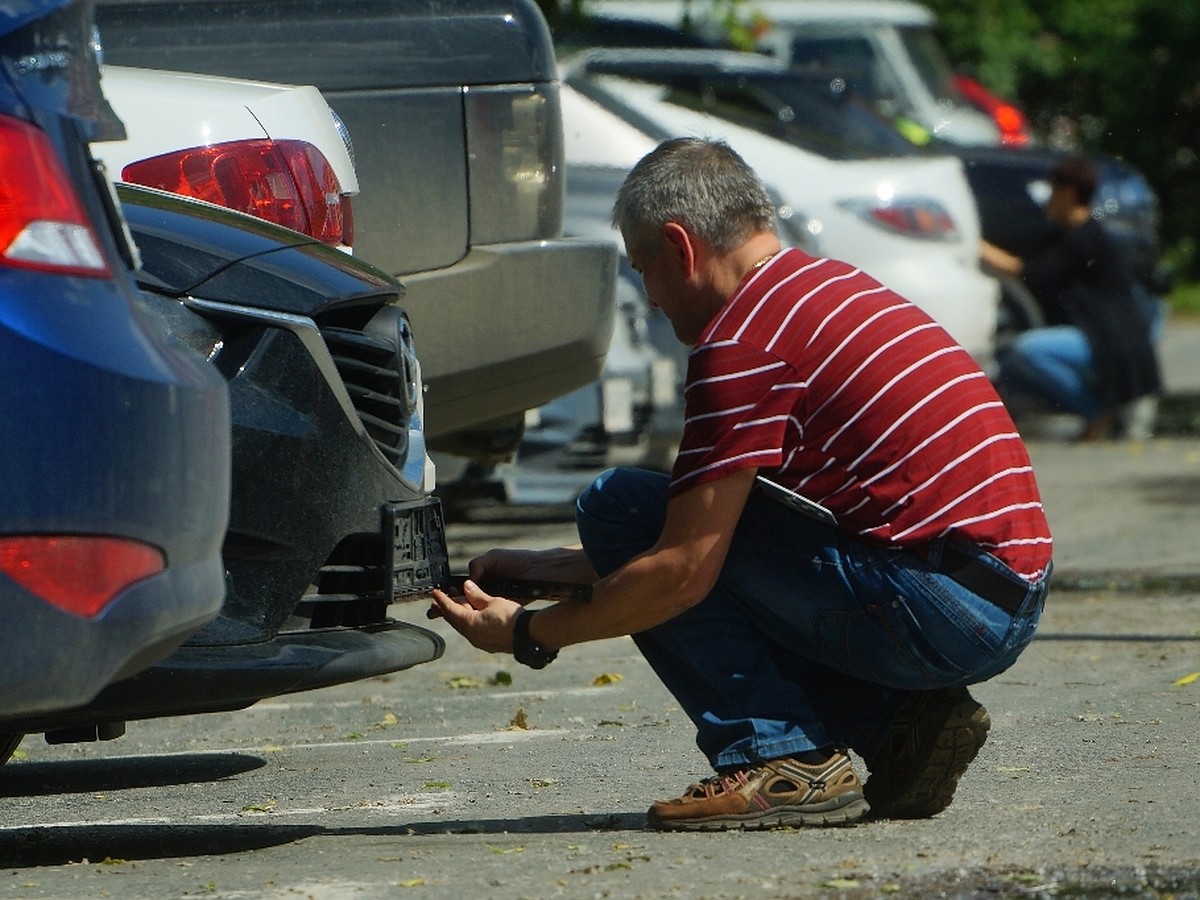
(1124, 73)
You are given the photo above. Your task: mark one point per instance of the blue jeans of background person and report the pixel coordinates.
(810, 639)
(1054, 363)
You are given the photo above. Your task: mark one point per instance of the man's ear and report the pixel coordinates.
(680, 245)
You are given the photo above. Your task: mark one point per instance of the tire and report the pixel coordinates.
(8, 746)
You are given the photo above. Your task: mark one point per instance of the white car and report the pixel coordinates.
(911, 222)
(274, 151)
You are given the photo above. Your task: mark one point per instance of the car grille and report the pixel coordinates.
(370, 368)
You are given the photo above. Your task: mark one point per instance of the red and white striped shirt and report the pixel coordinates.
(835, 386)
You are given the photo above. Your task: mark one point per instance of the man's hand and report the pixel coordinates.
(486, 621)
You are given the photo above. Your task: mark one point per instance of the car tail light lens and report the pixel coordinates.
(1014, 130)
(290, 183)
(1014, 127)
(914, 217)
(515, 148)
(42, 223)
(76, 573)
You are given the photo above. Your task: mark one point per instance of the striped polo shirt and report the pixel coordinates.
(833, 385)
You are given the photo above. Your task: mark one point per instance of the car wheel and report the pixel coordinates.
(8, 746)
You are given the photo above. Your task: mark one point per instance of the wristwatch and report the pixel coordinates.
(525, 650)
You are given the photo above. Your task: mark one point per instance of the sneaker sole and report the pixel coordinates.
(833, 813)
(931, 787)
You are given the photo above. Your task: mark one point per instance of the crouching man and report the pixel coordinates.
(790, 639)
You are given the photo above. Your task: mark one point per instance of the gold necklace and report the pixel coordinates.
(762, 262)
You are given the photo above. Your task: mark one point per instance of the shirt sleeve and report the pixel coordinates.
(739, 402)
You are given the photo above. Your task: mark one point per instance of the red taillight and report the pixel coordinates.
(42, 224)
(1013, 126)
(914, 217)
(77, 574)
(1014, 130)
(290, 183)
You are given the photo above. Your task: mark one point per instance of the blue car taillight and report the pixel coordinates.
(79, 574)
(42, 222)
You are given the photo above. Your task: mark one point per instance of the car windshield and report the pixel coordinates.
(821, 115)
(829, 106)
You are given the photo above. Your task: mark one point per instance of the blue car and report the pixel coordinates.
(114, 437)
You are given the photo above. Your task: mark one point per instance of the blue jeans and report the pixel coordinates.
(1054, 363)
(811, 639)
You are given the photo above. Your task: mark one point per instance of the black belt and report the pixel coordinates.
(981, 579)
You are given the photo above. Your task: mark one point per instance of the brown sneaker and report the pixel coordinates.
(934, 738)
(772, 794)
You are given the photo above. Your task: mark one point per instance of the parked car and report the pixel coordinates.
(908, 220)
(273, 151)
(114, 492)
(453, 107)
(331, 521)
(1009, 185)
(886, 49)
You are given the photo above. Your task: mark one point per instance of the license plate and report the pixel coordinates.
(415, 533)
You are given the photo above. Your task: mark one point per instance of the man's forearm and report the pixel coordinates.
(649, 590)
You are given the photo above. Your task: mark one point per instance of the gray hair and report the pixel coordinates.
(703, 185)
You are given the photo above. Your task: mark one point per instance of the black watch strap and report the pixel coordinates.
(525, 650)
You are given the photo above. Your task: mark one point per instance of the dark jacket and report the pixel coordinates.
(1082, 280)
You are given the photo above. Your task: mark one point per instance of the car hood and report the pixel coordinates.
(191, 248)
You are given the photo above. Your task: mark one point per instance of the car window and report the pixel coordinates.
(830, 104)
(851, 56)
(811, 115)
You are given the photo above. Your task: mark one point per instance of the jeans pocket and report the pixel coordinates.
(885, 643)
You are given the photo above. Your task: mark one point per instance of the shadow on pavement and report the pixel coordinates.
(38, 846)
(42, 846)
(527, 825)
(29, 779)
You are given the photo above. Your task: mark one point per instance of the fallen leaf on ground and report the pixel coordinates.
(1187, 679)
(607, 678)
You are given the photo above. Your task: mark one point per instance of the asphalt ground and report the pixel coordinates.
(473, 777)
